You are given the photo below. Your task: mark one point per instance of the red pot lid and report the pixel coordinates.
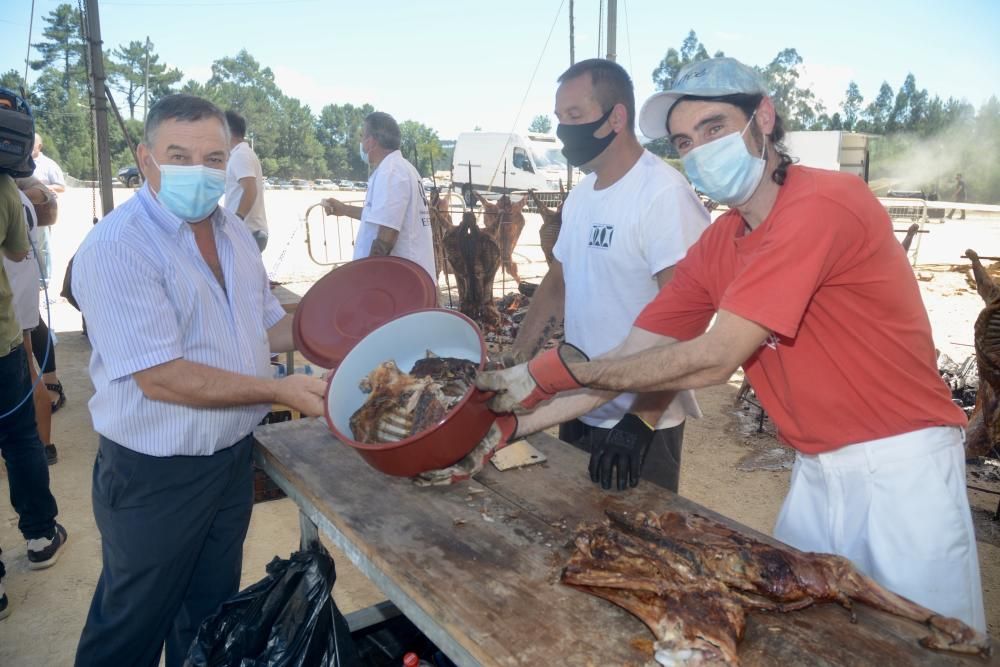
(348, 303)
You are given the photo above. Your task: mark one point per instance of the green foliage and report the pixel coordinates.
(339, 129)
(672, 63)
(420, 144)
(852, 106)
(126, 66)
(289, 139)
(540, 123)
(63, 46)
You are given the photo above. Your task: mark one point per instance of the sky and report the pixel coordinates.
(457, 65)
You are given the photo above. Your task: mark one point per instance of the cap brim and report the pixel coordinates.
(653, 115)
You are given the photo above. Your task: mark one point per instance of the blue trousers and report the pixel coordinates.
(23, 453)
(172, 531)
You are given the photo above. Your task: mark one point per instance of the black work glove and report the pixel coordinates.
(623, 450)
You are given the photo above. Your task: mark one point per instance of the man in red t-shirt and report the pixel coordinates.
(813, 296)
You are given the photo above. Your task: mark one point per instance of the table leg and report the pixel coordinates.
(309, 533)
(290, 362)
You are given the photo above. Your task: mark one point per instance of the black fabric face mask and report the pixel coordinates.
(580, 146)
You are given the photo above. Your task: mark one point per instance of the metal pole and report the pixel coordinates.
(572, 45)
(612, 28)
(572, 61)
(100, 106)
(145, 89)
(128, 139)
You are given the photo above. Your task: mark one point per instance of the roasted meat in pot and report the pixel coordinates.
(403, 404)
(692, 580)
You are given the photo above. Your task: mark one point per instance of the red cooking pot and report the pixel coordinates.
(405, 340)
(376, 309)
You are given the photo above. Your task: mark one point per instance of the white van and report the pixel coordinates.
(830, 149)
(532, 161)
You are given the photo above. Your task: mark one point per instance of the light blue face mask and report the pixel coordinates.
(191, 192)
(362, 152)
(724, 169)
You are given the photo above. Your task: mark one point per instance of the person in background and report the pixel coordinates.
(625, 226)
(958, 195)
(803, 284)
(23, 454)
(50, 174)
(24, 278)
(245, 181)
(395, 219)
(182, 323)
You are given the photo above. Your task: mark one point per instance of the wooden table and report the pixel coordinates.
(476, 566)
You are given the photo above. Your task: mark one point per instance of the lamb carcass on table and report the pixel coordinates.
(692, 581)
(475, 257)
(983, 433)
(403, 404)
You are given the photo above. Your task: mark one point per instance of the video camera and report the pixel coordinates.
(17, 135)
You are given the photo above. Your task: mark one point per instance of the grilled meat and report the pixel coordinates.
(984, 424)
(454, 375)
(475, 257)
(548, 234)
(504, 222)
(691, 580)
(403, 404)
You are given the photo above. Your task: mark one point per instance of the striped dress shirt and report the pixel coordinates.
(149, 297)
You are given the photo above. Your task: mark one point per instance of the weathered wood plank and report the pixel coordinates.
(480, 561)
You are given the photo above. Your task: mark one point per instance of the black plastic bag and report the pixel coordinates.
(287, 619)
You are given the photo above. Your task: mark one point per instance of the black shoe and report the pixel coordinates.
(61, 400)
(44, 551)
(51, 455)
(4, 608)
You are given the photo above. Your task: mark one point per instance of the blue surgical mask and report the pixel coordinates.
(724, 169)
(191, 192)
(362, 152)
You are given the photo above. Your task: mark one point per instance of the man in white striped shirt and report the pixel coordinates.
(182, 323)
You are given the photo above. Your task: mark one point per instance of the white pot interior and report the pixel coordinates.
(403, 340)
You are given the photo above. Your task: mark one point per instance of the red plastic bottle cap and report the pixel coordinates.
(411, 660)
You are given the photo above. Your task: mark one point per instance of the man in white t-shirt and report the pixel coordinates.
(245, 181)
(625, 226)
(395, 219)
(50, 174)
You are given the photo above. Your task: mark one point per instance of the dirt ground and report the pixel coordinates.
(727, 465)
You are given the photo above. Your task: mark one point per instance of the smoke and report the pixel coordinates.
(913, 162)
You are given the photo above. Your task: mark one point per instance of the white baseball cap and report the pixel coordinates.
(703, 78)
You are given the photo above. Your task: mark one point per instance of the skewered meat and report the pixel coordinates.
(403, 404)
(548, 234)
(984, 424)
(475, 256)
(504, 222)
(691, 580)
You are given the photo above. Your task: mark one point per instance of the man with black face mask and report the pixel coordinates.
(812, 294)
(624, 228)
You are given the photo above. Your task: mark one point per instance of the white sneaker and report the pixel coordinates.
(43, 552)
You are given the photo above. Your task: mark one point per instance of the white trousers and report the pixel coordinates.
(898, 509)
